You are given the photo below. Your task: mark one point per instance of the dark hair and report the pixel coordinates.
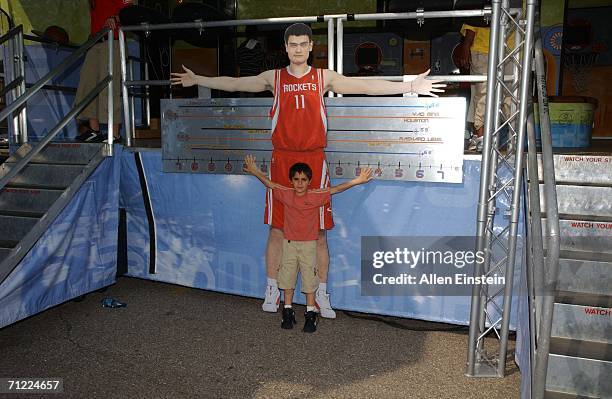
(300, 167)
(298, 29)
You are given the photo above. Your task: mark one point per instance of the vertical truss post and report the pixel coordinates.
(500, 185)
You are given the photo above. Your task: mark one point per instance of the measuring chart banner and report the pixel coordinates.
(412, 139)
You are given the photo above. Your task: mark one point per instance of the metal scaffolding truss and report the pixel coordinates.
(500, 184)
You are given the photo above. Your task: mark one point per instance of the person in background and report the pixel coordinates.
(473, 54)
(103, 13)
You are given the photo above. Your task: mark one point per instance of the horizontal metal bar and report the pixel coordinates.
(49, 76)
(280, 20)
(147, 83)
(217, 24)
(422, 15)
(445, 78)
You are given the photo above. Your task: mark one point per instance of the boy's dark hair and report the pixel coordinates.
(298, 29)
(300, 167)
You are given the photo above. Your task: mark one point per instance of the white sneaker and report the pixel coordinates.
(323, 305)
(272, 299)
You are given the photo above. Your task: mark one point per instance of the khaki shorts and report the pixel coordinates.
(302, 256)
(94, 69)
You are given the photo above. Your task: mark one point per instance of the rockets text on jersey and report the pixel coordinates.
(299, 118)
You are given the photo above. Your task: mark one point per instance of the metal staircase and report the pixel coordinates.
(40, 178)
(32, 199)
(580, 360)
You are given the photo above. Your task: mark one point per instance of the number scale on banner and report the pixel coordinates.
(410, 139)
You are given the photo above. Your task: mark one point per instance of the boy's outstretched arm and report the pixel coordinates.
(254, 84)
(251, 167)
(364, 177)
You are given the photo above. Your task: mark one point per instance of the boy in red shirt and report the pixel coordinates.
(301, 231)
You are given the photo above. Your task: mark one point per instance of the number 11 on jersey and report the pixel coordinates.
(297, 101)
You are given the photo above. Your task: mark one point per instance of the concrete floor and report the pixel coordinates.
(173, 341)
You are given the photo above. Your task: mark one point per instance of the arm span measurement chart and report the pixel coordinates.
(400, 138)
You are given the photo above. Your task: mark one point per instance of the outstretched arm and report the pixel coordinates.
(377, 87)
(251, 168)
(463, 49)
(364, 177)
(262, 82)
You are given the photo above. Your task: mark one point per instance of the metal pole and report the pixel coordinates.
(498, 98)
(23, 118)
(13, 94)
(340, 47)
(518, 174)
(127, 126)
(552, 223)
(111, 127)
(483, 199)
(147, 98)
(132, 100)
(330, 49)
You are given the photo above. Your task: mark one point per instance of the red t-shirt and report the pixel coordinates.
(302, 212)
(104, 9)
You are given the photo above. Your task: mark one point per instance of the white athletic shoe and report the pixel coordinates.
(323, 305)
(272, 299)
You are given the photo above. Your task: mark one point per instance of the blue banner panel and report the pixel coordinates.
(208, 232)
(76, 255)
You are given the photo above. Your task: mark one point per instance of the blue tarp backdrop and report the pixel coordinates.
(210, 234)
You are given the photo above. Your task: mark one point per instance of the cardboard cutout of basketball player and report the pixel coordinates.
(299, 128)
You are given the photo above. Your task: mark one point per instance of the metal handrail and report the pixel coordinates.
(105, 83)
(47, 139)
(49, 76)
(553, 238)
(11, 33)
(12, 85)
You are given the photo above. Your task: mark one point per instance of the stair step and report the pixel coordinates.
(14, 228)
(42, 175)
(583, 299)
(579, 376)
(582, 323)
(24, 201)
(583, 235)
(592, 277)
(560, 395)
(584, 349)
(60, 153)
(581, 169)
(583, 201)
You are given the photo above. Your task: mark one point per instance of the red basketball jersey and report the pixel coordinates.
(299, 118)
